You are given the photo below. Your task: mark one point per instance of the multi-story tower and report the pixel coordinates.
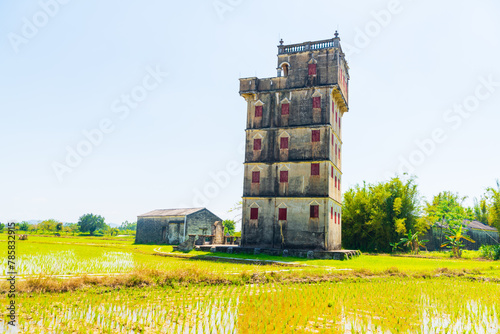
(292, 193)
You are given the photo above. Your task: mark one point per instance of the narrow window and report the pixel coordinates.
(282, 214)
(256, 177)
(258, 111)
(332, 171)
(335, 218)
(315, 135)
(336, 117)
(284, 143)
(314, 211)
(254, 213)
(257, 144)
(312, 69)
(285, 109)
(331, 213)
(314, 169)
(317, 102)
(284, 176)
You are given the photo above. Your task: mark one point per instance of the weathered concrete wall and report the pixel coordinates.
(436, 237)
(299, 231)
(160, 230)
(171, 230)
(201, 221)
(300, 181)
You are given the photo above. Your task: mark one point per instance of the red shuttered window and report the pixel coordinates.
(258, 111)
(254, 213)
(256, 177)
(284, 176)
(315, 136)
(285, 109)
(284, 143)
(332, 171)
(312, 69)
(335, 218)
(314, 169)
(331, 213)
(314, 211)
(335, 182)
(317, 102)
(282, 214)
(257, 144)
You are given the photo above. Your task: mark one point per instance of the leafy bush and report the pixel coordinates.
(491, 252)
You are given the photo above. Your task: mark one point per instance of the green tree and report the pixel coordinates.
(412, 242)
(375, 215)
(128, 226)
(481, 210)
(447, 207)
(229, 226)
(494, 207)
(91, 223)
(48, 225)
(59, 227)
(24, 226)
(2, 226)
(454, 236)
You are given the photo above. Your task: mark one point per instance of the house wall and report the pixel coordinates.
(150, 230)
(436, 237)
(299, 231)
(201, 222)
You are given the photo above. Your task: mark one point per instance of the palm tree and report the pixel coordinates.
(454, 235)
(412, 242)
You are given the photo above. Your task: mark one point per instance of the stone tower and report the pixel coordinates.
(292, 193)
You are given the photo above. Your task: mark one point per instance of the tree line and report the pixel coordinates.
(92, 224)
(377, 217)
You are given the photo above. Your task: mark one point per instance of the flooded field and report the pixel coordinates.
(384, 306)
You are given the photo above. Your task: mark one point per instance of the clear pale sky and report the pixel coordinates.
(154, 84)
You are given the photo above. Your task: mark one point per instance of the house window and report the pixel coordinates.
(335, 182)
(284, 176)
(312, 69)
(317, 102)
(335, 218)
(314, 211)
(314, 169)
(332, 171)
(284, 143)
(258, 111)
(331, 213)
(257, 144)
(254, 213)
(332, 139)
(285, 109)
(315, 135)
(256, 177)
(282, 214)
(336, 117)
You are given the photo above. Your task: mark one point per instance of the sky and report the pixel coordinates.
(118, 108)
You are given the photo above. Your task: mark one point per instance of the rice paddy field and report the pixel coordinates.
(95, 285)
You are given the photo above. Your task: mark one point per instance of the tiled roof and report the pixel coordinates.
(171, 212)
(472, 224)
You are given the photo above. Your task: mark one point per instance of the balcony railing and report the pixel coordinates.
(307, 46)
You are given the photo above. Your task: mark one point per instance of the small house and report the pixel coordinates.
(172, 226)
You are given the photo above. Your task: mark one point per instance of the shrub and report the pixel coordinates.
(491, 252)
